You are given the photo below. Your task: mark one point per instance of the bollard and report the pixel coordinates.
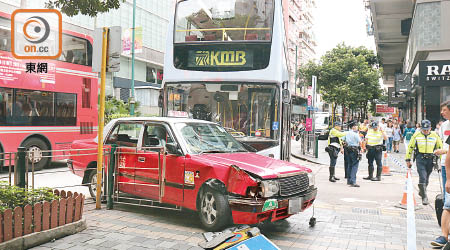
(317, 147)
(20, 167)
(109, 201)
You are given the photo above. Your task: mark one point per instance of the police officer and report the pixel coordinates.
(334, 147)
(424, 143)
(374, 142)
(353, 141)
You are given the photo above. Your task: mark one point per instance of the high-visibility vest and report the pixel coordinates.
(425, 144)
(374, 137)
(334, 133)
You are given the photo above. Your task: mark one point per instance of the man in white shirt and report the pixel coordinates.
(444, 133)
(382, 124)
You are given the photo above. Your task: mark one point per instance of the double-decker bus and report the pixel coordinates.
(46, 109)
(226, 62)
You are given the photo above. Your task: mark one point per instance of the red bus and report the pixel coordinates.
(50, 109)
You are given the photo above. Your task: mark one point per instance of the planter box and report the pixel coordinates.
(42, 216)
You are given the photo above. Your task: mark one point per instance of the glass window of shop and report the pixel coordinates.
(20, 107)
(445, 94)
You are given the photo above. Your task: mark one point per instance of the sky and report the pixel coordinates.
(339, 21)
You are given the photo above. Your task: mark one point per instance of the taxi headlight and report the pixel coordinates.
(269, 188)
(311, 179)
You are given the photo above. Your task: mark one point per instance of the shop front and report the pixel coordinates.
(434, 81)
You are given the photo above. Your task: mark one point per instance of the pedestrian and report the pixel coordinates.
(418, 127)
(334, 147)
(389, 131)
(375, 146)
(383, 124)
(424, 143)
(364, 127)
(438, 127)
(353, 147)
(408, 133)
(444, 132)
(397, 137)
(402, 126)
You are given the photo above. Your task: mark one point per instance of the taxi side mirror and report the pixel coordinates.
(172, 148)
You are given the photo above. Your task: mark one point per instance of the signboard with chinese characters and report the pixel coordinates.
(127, 40)
(434, 73)
(394, 98)
(403, 82)
(220, 58)
(384, 109)
(308, 125)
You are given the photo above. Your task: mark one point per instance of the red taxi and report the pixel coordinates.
(206, 170)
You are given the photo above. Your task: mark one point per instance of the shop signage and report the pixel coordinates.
(434, 72)
(220, 58)
(403, 82)
(384, 109)
(395, 98)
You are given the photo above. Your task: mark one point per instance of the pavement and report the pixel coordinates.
(347, 217)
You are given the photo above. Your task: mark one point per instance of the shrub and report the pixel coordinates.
(12, 196)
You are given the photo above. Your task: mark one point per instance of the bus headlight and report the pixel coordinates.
(311, 179)
(269, 188)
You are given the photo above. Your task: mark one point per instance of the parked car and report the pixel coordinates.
(207, 170)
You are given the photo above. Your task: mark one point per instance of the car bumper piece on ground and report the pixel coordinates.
(252, 211)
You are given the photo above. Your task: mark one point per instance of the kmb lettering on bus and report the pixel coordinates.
(220, 58)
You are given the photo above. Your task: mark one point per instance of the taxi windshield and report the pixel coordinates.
(208, 138)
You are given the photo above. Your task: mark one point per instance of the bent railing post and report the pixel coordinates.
(20, 167)
(110, 180)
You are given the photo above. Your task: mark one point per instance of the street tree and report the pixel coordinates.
(85, 7)
(347, 76)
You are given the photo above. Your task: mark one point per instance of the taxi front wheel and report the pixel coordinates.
(214, 210)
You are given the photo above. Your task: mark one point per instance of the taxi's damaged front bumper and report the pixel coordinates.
(252, 210)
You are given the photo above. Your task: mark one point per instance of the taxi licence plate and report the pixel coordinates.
(295, 205)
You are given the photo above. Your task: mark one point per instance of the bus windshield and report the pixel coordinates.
(223, 20)
(247, 111)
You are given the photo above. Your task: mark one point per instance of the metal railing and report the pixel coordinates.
(309, 144)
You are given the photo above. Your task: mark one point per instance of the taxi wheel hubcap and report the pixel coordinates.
(34, 154)
(209, 210)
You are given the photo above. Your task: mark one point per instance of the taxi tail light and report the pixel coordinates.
(239, 181)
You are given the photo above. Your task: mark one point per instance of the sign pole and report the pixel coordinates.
(132, 101)
(101, 119)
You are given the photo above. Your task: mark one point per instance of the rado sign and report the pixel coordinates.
(434, 72)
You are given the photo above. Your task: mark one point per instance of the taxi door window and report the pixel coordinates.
(125, 134)
(156, 135)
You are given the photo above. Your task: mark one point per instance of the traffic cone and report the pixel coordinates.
(404, 202)
(385, 170)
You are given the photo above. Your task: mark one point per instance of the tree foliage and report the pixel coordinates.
(347, 76)
(115, 108)
(85, 7)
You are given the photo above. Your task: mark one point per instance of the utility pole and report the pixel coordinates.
(132, 100)
(296, 71)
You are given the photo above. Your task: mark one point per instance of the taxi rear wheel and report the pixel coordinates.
(214, 211)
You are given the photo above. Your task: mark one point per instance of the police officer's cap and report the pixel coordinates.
(337, 123)
(374, 125)
(426, 125)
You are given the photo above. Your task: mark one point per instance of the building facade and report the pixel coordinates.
(153, 17)
(422, 38)
(301, 41)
